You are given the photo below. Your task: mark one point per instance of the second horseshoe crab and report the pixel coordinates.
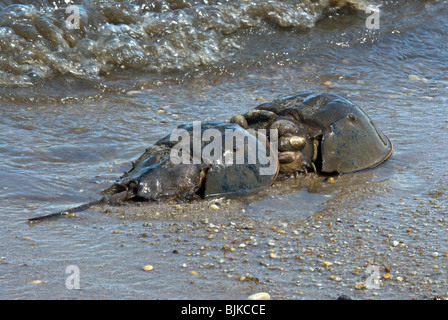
(320, 131)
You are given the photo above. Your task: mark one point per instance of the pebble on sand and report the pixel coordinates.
(260, 296)
(148, 268)
(360, 285)
(414, 77)
(435, 254)
(387, 276)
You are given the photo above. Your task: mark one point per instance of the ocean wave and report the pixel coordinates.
(88, 39)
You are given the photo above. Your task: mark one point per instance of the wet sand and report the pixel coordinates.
(326, 256)
(224, 249)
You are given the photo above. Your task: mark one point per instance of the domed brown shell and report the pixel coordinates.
(350, 140)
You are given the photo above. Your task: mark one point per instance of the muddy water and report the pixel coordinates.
(66, 137)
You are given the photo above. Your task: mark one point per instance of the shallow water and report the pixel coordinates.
(67, 135)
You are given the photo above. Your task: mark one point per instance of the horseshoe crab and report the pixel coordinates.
(320, 131)
(229, 169)
(211, 159)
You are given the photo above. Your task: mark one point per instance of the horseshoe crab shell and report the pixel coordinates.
(350, 140)
(159, 173)
(345, 139)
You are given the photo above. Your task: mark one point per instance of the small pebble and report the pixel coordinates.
(283, 225)
(260, 296)
(360, 285)
(387, 276)
(435, 254)
(214, 207)
(148, 268)
(204, 221)
(335, 278)
(414, 77)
